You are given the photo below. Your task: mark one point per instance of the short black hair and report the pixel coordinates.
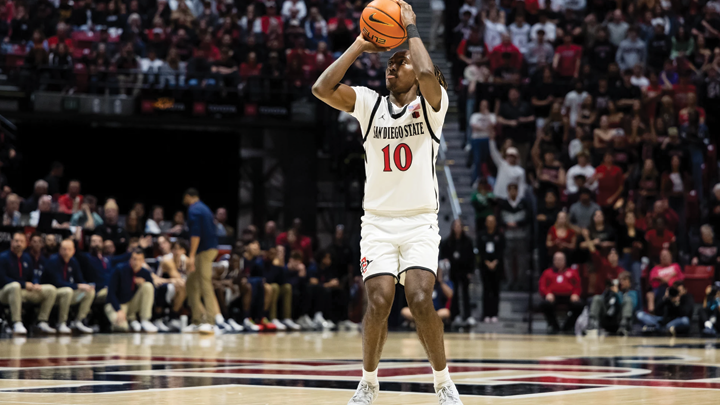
(138, 251)
(673, 292)
(56, 165)
(585, 190)
(192, 192)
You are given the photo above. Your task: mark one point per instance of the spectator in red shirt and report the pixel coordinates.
(665, 274)
(567, 59)
(682, 91)
(683, 116)
(251, 67)
(300, 51)
(606, 268)
(560, 284)
(661, 209)
(610, 180)
(69, 203)
(322, 57)
(506, 47)
(659, 239)
(297, 226)
(61, 36)
(270, 19)
(561, 237)
(207, 49)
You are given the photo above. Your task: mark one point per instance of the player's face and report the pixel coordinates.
(399, 75)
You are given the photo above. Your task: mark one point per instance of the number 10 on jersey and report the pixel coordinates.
(402, 153)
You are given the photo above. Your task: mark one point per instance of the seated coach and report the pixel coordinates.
(63, 271)
(17, 287)
(131, 293)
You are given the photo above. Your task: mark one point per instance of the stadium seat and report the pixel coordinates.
(697, 278)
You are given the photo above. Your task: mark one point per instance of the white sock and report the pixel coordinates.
(370, 377)
(219, 319)
(441, 377)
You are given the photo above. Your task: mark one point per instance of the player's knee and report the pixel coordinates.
(417, 297)
(380, 305)
(147, 288)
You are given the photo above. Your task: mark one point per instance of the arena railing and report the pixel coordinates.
(451, 192)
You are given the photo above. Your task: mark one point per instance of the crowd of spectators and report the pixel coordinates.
(106, 271)
(119, 47)
(590, 128)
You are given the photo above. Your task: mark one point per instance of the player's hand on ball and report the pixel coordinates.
(406, 12)
(367, 46)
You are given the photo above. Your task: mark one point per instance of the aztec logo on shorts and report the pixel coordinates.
(364, 263)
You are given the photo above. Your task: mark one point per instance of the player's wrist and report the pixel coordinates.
(412, 31)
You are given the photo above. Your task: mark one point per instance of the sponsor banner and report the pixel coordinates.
(215, 110)
(162, 105)
(273, 111)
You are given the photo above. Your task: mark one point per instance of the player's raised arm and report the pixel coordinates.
(420, 59)
(328, 87)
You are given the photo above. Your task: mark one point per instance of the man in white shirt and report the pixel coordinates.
(288, 5)
(150, 66)
(520, 33)
(509, 171)
(583, 168)
(573, 101)
(468, 5)
(545, 25)
(494, 29)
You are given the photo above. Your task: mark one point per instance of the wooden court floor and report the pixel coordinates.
(324, 368)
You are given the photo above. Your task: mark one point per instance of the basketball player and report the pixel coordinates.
(400, 240)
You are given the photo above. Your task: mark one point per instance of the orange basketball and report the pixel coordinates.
(381, 23)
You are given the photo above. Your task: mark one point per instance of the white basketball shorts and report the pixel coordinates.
(393, 245)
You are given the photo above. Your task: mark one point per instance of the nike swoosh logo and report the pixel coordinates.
(375, 20)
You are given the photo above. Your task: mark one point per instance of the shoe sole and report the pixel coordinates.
(209, 332)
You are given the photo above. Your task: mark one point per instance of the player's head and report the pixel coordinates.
(400, 76)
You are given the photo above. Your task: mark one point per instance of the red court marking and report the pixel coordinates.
(618, 381)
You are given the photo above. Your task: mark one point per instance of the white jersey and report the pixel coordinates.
(401, 147)
(520, 36)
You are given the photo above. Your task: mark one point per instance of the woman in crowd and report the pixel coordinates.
(674, 184)
(132, 225)
(602, 138)
(631, 247)
(648, 184)
(491, 244)
(548, 211)
(708, 252)
(483, 125)
(561, 237)
(457, 249)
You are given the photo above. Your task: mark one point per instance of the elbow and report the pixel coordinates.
(321, 90)
(317, 90)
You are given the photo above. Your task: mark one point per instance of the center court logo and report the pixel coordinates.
(364, 263)
(512, 378)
